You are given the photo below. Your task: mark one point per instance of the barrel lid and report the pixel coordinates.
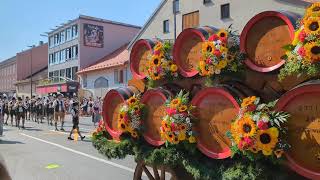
(111, 104)
(216, 109)
(154, 99)
(286, 18)
(139, 50)
(303, 128)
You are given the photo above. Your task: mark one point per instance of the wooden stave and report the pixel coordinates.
(124, 93)
(203, 33)
(133, 62)
(288, 17)
(308, 87)
(230, 91)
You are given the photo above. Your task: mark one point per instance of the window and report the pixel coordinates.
(74, 31)
(207, 1)
(74, 73)
(166, 26)
(68, 53)
(121, 76)
(62, 38)
(68, 73)
(62, 73)
(51, 41)
(84, 80)
(63, 56)
(116, 81)
(101, 82)
(68, 34)
(176, 7)
(225, 11)
(190, 20)
(56, 76)
(74, 52)
(50, 59)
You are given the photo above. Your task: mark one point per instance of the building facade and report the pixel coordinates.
(173, 16)
(8, 76)
(82, 42)
(110, 72)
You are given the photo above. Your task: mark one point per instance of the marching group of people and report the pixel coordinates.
(17, 111)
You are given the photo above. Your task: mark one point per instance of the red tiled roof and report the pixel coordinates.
(116, 58)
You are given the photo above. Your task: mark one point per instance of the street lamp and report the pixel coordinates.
(31, 70)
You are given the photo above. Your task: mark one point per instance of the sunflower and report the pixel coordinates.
(155, 60)
(312, 25)
(246, 126)
(312, 52)
(222, 33)
(122, 115)
(175, 103)
(136, 108)
(170, 137)
(166, 126)
(314, 9)
(132, 100)
(222, 64)
(235, 133)
(182, 127)
(248, 101)
(192, 139)
(278, 153)
(182, 136)
(183, 108)
(254, 149)
(122, 126)
(267, 140)
(175, 140)
(173, 68)
(134, 134)
(156, 76)
(158, 46)
(230, 57)
(207, 47)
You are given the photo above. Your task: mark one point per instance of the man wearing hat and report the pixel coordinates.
(59, 111)
(1, 115)
(20, 112)
(12, 109)
(75, 120)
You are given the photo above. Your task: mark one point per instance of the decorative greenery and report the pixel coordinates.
(221, 54)
(258, 128)
(178, 122)
(303, 54)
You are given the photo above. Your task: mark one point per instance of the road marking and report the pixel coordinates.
(81, 153)
(60, 132)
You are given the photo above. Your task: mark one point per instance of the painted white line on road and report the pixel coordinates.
(81, 153)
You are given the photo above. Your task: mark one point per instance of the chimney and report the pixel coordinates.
(40, 43)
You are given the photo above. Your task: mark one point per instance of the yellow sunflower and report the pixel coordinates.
(156, 76)
(122, 126)
(235, 133)
(312, 25)
(132, 100)
(246, 126)
(296, 37)
(122, 115)
(267, 140)
(134, 134)
(254, 149)
(207, 47)
(313, 52)
(155, 60)
(182, 136)
(314, 9)
(248, 101)
(136, 108)
(192, 139)
(170, 137)
(182, 127)
(222, 33)
(158, 46)
(222, 64)
(175, 103)
(230, 57)
(175, 140)
(173, 68)
(183, 108)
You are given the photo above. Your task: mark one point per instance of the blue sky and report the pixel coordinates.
(22, 21)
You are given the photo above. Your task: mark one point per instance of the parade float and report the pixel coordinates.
(218, 105)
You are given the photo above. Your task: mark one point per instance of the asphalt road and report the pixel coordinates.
(29, 153)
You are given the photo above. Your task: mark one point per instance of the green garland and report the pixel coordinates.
(188, 157)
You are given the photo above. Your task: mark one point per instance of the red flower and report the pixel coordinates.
(223, 39)
(302, 36)
(126, 119)
(302, 51)
(251, 107)
(248, 141)
(157, 53)
(209, 61)
(173, 127)
(214, 37)
(171, 111)
(217, 53)
(241, 144)
(262, 125)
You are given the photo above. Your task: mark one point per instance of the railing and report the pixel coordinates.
(54, 80)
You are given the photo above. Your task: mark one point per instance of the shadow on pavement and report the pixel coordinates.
(10, 142)
(33, 129)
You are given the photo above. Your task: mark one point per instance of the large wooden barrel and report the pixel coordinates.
(140, 52)
(303, 103)
(264, 36)
(216, 108)
(154, 100)
(111, 105)
(187, 49)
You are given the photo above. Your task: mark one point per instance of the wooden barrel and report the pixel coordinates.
(216, 108)
(303, 103)
(187, 49)
(139, 57)
(154, 100)
(264, 36)
(111, 106)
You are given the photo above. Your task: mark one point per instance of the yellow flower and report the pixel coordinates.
(182, 136)
(254, 149)
(222, 64)
(222, 33)
(175, 103)
(122, 126)
(173, 68)
(134, 134)
(313, 52)
(207, 47)
(267, 140)
(314, 9)
(312, 25)
(246, 126)
(175, 140)
(235, 133)
(192, 139)
(158, 46)
(223, 49)
(132, 100)
(122, 115)
(296, 37)
(183, 108)
(248, 101)
(156, 60)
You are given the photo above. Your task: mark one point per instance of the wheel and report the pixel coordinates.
(142, 171)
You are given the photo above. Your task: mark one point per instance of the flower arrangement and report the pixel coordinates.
(178, 121)
(303, 54)
(130, 116)
(160, 64)
(101, 128)
(220, 54)
(258, 129)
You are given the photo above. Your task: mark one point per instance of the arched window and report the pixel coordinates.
(101, 82)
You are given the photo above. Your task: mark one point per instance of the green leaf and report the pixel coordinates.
(288, 47)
